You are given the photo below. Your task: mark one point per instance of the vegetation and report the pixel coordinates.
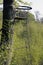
(1, 1)
(27, 45)
(27, 48)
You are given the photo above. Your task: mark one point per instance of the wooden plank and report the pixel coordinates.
(20, 18)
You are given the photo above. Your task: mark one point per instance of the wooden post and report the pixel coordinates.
(7, 29)
(8, 18)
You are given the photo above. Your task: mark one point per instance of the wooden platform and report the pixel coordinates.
(20, 18)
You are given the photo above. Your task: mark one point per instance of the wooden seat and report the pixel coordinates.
(21, 15)
(20, 18)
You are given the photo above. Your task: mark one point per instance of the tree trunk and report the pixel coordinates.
(8, 18)
(7, 29)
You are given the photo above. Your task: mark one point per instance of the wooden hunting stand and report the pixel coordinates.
(9, 17)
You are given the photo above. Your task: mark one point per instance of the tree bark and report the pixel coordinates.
(8, 18)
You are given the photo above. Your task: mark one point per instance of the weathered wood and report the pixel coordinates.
(7, 28)
(8, 17)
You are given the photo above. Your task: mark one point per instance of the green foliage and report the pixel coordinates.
(1, 1)
(27, 47)
(18, 2)
(31, 17)
(23, 2)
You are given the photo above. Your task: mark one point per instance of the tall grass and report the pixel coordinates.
(27, 48)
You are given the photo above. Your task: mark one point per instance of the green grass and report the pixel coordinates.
(35, 40)
(30, 35)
